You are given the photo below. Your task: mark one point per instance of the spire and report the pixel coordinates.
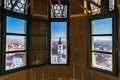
(59, 42)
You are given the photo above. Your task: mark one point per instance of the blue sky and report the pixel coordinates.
(15, 25)
(58, 29)
(102, 26)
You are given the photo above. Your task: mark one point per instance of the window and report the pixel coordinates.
(102, 45)
(102, 49)
(15, 45)
(94, 8)
(15, 35)
(58, 11)
(111, 5)
(101, 6)
(59, 43)
(59, 18)
(16, 5)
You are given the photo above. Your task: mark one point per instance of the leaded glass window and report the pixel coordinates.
(59, 16)
(16, 5)
(94, 8)
(111, 5)
(58, 11)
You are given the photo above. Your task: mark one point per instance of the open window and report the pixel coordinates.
(14, 35)
(15, 44)
(103, 39)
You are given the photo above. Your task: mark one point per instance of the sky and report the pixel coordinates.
(58, 29)
(102, 26)
(15, 25)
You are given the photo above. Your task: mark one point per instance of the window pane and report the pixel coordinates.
(15, 25)
(15, 60)
(102, 61)
(95, 9)
(15, 43)
(102, 43)
(58, 11)
(111, 5)
(58, 42)
(102, 26)
(19, 6)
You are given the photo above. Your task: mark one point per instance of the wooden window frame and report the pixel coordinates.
(114, 42)
(8, 13)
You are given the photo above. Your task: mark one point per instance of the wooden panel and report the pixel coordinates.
(38, 57)
(39, 7)
(75, 8)
(39, 27)
(39, 43)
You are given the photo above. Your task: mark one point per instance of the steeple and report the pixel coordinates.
(59, 42)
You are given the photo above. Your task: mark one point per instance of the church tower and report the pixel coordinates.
(60, 46)
(59, 50)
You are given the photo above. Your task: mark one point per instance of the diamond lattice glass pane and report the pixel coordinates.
(95, 9)
(16, 5)
(111, 5)
(58, 11)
